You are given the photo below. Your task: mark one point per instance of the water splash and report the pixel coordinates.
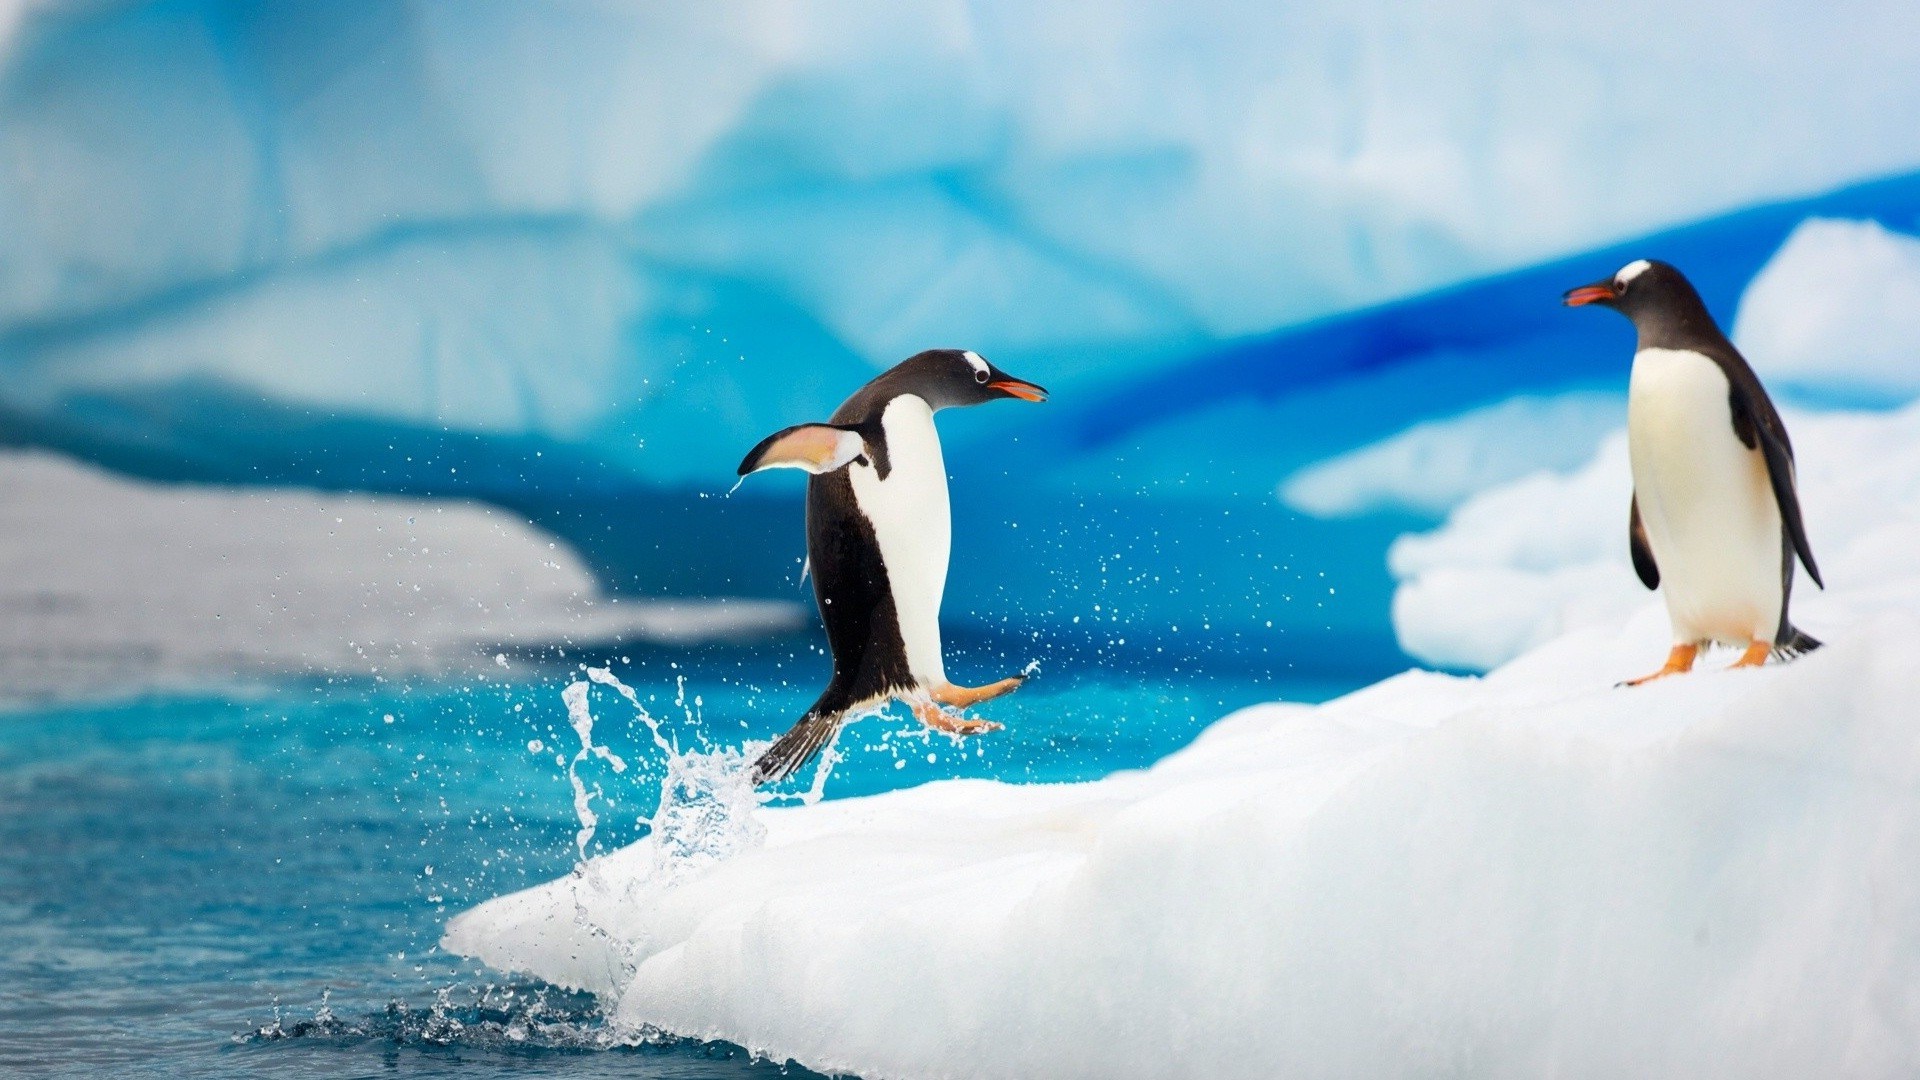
(517, 1015)
(581, 717)
(506, 1028)
(707, 797)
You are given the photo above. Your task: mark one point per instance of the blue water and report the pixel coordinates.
(252, 883)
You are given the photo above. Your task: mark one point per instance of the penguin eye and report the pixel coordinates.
(980, 376)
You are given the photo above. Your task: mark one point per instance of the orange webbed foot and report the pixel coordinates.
(1679, 662)
(1756, 654)
(961, 697)
(932, 715)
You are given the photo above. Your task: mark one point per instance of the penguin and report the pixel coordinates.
(878, 538)
(1715, 516)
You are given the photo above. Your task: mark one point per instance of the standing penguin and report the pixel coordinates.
(1715, 516)
(878, 537)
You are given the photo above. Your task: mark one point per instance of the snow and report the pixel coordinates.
(1532, 873)
(1837, 311)
(1521, 564)
(1516, 566)
(1435, 465)
(533, 218)
(114, 586)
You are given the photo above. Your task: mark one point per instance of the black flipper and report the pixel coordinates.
(798, 746)
(1795, 642)
(1754, 420)
(1643, 563)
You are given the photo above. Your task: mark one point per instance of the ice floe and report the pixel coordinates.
(113, 586)
(1527, 873)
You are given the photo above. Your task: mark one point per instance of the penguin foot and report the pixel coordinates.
(1756, 654)
(941, 720)
(1679, 661)
(961, 697)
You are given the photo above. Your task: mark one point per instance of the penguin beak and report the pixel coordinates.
(1019, 388)
(1600, 292)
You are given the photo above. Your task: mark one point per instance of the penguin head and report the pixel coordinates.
(1641, 288)
(949, 378)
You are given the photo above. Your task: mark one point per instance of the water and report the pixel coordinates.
(252, 883)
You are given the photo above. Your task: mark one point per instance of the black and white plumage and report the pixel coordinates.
(879, 533)
(1715, 520)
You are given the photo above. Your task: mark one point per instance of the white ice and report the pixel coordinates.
(1531, 874)
(1434, 466)
(1837, 310)
(1524, 874)
(114, 586)
(1520, 564)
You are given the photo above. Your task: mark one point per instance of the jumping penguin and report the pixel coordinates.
(878, 537)
(1715, 516)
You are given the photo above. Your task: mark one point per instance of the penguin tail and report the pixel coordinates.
(1795, 642)
(801, 744)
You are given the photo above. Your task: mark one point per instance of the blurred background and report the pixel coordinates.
(567, 261)
(367, 367)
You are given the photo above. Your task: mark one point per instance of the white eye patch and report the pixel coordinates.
(979, 365)
(1630, 271)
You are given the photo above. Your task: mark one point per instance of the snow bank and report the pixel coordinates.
(113, 586)
(1519, 565)
(1837, 310)
(1434, 466)
(1528, 874)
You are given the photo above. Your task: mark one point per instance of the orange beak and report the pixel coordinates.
(1025, 391)
(1587, 294)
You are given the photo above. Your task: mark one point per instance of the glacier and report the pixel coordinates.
(421, 217)
(1531, 872)
(571, 259)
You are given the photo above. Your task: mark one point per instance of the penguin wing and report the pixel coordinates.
(817, 448)
(1756, 422)
(1643, 563)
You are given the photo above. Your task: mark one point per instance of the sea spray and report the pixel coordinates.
(707, 798)
(704, 815)
(581, 717)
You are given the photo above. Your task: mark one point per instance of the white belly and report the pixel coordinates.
(1705, 501)
(913, 523)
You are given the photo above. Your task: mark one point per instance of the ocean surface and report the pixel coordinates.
(251, 883)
